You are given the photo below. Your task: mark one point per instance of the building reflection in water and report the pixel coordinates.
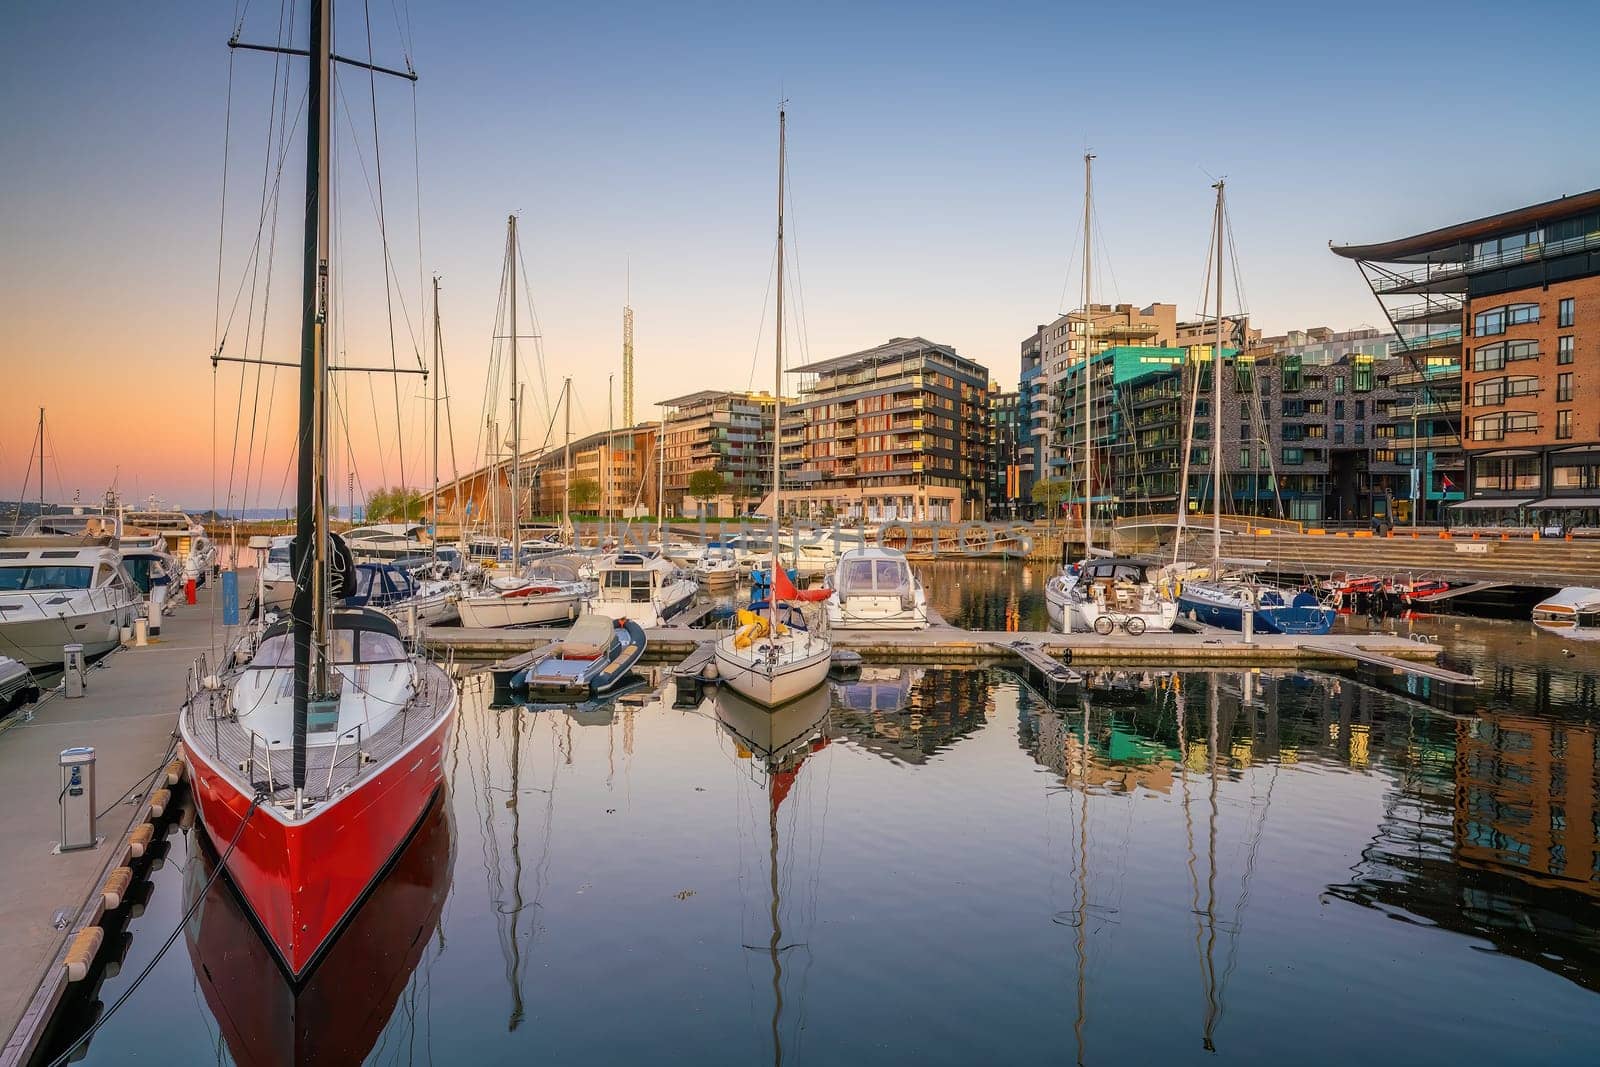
(337, 1014)
(774, 746)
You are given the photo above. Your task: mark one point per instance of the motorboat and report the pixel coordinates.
(369, 765)
(277, 578)
(17, 685)
(647, 590)
(56, 591)
(1222, 603)
(546, 592)
(144, 563)
(594, 658)
(1573, 612)
(185, 538)
(393, 588)
(875, 589)
(1108, 594)
(683, 553)
(390, 540)
(716, 571)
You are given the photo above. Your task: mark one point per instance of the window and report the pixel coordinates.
(1361, 409)
(1488, 427)
(1564, 387)
(1565, 313)
(1361, 434)
(1338, 434)
(1293, 457)
(1291, 375)
(1564, 350)
(1383, 455)
(1338, 407)
(1385, 431)
(1496, 356)
(1403, 457)
(1244, 457)
(1522, 314)
(1489, 323)
(1564, 423)
(1521, 422)
(1338, 383)
(1265, 458)
(1363, 374)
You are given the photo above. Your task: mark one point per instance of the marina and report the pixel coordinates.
(611, 644)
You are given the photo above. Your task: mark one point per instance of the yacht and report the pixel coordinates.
(395, 590)
(185, 538)
(277, 580)
(1573, 612)
(1107, 594)
(1222, 602)
(545, 592)
(716, 568)
(875, 589)
(640, 588)
(56, 591)
(390, 540)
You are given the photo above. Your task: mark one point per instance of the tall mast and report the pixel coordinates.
(437, 381)
(1216, 406)
(310, 607)
(516, 414)
(41, 461)
(1088, 356)
(611, 428)
(566, 465)
(777, 388)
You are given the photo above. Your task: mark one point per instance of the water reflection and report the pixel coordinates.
(908, 714)
(339, 1013)
(777, 743)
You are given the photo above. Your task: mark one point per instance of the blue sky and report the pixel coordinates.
(935, 162)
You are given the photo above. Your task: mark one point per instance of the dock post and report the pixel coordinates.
(72, 679)
(141, 631)
(1247, 621)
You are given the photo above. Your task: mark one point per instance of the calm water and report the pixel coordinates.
(933, 866)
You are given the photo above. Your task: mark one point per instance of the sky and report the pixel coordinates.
(935, 184)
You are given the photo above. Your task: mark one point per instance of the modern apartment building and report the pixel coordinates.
(1518, 297)
(1033, 402)
(1062, 344)
(1004, 496)
(629, 490)
(722, 431)
(893, 432)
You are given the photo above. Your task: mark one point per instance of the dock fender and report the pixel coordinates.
(82, 951)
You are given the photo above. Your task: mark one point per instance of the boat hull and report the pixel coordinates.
(775, 687)
(497, 612)
(1271, 619)
(302, 878)
(37, 642)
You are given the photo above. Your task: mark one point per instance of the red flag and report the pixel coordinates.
(783, 589)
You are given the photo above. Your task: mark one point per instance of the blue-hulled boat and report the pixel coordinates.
(592, 660)
(1277, 611)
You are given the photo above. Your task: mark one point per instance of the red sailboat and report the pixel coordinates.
(312, 764)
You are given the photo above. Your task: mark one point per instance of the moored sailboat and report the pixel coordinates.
(770, 662)
(312, 765)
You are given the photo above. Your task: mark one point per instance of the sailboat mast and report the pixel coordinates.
(310, 607)
(1088, 356)
(777, 387)
(1216, 407)
(516, 415)
(566, 465)
(41, 461)
(436, 385)
(611, 429)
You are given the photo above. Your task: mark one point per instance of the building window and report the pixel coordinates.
(1361, 434)
(1564, 387)
(1265, 458)
(1363, 375)
(1293, 457)
(1338, 434)
(1361, 409)
(1564, 350)
(1244, 457)
(1488, 427)
(1338, 407)
(1489, 323)
(1565, 312)
(1564, 423)
(1338, 383)
(1521, 422)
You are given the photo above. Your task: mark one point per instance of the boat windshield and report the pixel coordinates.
(22, 579)
(278, 554)
(861, 577)
(70, 526)
(372, 647)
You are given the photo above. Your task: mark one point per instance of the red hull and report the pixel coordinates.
(302, 878)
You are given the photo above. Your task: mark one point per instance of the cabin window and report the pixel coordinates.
(22, 579)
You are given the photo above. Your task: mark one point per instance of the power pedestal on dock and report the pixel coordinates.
(77, 798)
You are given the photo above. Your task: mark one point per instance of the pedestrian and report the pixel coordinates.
(160, 585)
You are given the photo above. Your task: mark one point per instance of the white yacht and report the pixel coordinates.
(683, 553)
(875, 589)
(716, 568)
(647, 590)
(56, 591)
(1573, 612)
(545, 592)
(277, 580)
(388, 540)
(185, 538)
(1108, 594)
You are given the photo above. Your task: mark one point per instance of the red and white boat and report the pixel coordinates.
(312, 764)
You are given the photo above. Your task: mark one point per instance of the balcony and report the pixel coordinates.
(1441, 310)
(1427, 278)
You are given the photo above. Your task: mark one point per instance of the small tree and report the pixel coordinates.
(1050, 492)
(585, 491)
(704, 485)
(395, 504)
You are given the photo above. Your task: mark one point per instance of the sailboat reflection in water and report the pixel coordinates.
(338, 1013)
(777, 744)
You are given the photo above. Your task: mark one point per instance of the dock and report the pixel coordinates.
(1371, 658)
(129, 713)
(954, 646)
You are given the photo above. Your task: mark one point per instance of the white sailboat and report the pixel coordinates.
(768, 662)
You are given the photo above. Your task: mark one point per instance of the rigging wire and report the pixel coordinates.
(538, 330)
(761, 325)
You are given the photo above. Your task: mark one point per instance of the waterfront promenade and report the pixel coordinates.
(128, 713)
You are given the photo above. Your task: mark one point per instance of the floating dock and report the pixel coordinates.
(51, 904)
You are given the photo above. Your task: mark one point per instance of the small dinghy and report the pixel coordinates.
(593, 659)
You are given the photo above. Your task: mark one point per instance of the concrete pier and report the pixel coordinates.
(129, 713)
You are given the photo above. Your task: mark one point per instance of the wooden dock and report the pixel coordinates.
(1372, 658)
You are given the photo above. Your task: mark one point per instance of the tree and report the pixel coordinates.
(395, 504)
(585, 491)
(1050, 492)
(703, 485)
